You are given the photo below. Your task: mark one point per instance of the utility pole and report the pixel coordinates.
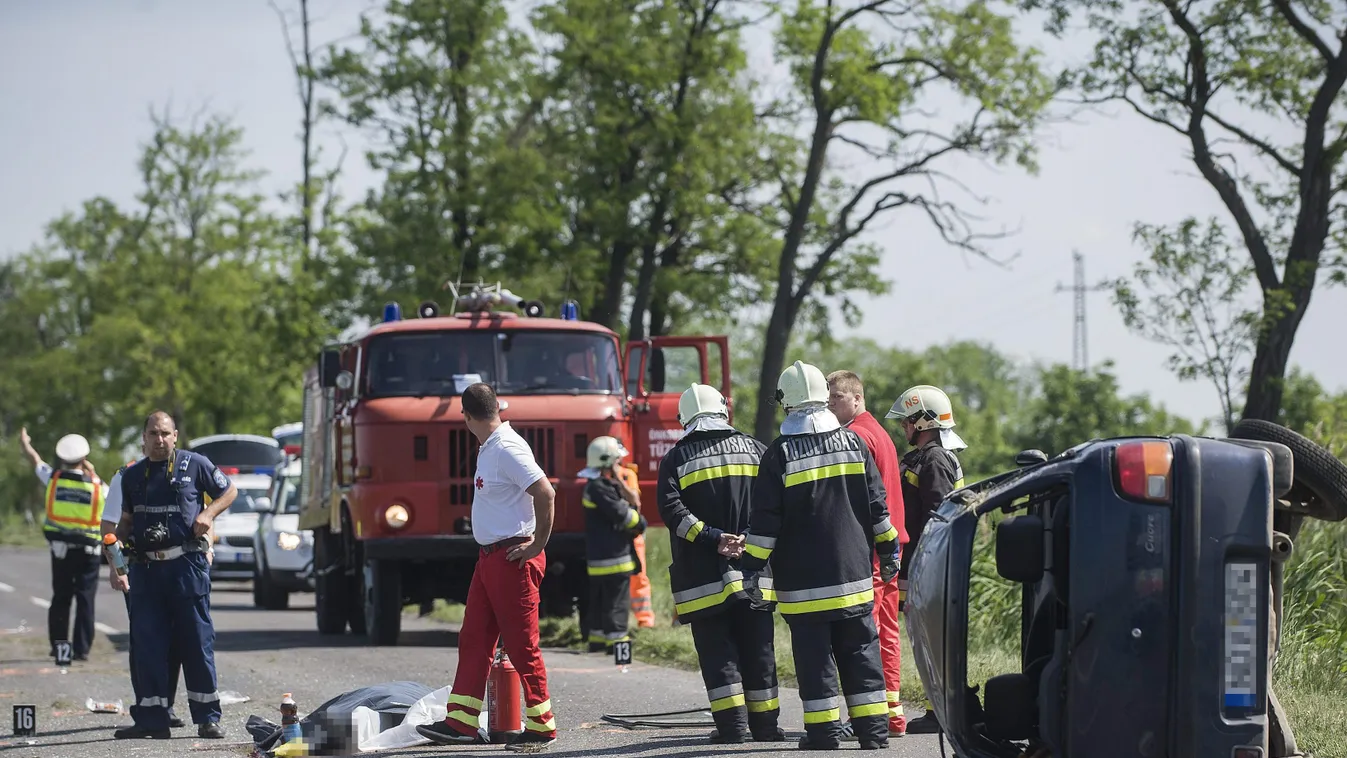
(1080, 349)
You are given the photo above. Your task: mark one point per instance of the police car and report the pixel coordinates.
(284, 558)
(250, 461)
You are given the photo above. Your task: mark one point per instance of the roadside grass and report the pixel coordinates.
(1311, 674)
(17, 530)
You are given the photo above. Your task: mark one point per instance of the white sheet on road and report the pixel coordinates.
(427, 710)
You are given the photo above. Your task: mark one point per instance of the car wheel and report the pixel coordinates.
(1320, 486)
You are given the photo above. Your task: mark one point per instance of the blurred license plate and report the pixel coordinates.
(1241, 636)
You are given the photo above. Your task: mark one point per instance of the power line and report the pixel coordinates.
(1080, 348)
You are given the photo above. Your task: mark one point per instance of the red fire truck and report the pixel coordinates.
(388, 463)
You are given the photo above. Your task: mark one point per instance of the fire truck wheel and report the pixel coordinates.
(1320, 488)
(383, 602)
(329, 586)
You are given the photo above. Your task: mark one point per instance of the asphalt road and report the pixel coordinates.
(262, 654)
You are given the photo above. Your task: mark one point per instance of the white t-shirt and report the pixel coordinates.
(112, 504)
(501, 506)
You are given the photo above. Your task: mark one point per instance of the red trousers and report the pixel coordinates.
(890, 647)
(502, 604)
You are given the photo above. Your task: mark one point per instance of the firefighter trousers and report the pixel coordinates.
(640, 588)
(738, 663)
(502, 605)
(849, 647)
(609, 610)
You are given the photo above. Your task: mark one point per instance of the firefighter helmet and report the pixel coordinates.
(801, 384)
(701, 400)
(604, 452)
(72, 448)
(925, 406)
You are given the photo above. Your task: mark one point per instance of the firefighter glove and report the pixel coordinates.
(755, 599)
(888, 567)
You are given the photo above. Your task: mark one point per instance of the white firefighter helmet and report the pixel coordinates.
(701, 400)
(604, 452)
(72, 448)
(926, 406)
(801, 384)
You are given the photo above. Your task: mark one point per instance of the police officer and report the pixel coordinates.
(162, 498)
(112, 516)
(705, 486)
(74, 501)
(819, 515)
(612, 519)
(930, 472)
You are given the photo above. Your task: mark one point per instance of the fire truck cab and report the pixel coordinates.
(388, 470)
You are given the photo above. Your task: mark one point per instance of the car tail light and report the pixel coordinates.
(1144, 470)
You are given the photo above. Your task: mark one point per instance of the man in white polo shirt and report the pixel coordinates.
(512, 509)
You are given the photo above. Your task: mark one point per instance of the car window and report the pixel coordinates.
(245, 501)
(289, 496)
(226, 453)
(558, 362)
(425, 364)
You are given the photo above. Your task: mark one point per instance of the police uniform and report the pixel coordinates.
(112, 512)
(610, 524)
(819, 514)
(170, 589)
(74, 504)
(929, 473)
(705, 489)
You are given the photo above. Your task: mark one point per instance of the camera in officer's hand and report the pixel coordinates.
(156, 536)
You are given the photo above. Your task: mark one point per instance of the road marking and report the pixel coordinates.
(105, 629)
(39, 602)
(5, 587)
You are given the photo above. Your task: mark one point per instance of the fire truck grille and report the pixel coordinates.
(463, 458)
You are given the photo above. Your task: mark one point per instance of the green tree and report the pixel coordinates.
(1191, 296)
(1068, 407)
(447, 88)
(868, 68)
(1209, 70)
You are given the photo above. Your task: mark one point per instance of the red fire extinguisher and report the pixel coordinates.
(505, 719)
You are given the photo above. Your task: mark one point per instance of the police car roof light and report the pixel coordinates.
(231, 470)
(392, 312)
(292, 449)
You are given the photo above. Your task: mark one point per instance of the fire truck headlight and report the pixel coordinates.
(396, 516)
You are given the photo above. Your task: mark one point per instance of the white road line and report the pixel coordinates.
(5, 587)
(39, 602)
(105, 629)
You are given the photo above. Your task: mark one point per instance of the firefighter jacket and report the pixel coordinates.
(819, 515)
(930, 473)
(705, 489)
(610, 524)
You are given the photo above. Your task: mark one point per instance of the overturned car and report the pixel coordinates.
(1151, 578)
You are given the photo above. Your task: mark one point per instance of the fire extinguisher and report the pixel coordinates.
(504, 717)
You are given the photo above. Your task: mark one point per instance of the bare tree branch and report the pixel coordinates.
(1303, 29)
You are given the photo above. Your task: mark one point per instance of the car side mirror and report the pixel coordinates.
(261, 504)
(1030, 458)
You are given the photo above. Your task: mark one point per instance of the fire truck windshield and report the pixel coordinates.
(421, 364)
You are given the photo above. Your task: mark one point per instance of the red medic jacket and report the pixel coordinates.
(886, 460)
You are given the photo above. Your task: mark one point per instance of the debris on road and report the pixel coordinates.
(96, 706)
(378, 717)
(229, 697)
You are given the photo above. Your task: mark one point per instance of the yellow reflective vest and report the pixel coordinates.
(74, 506)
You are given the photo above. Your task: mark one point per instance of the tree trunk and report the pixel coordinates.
(773, 363)
(1269, 362)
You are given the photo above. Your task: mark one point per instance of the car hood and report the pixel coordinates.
(284, 522)
(235, 524)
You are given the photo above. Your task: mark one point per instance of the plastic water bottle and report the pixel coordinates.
(115, 553)
(289, 719)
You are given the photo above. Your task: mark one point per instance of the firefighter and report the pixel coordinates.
(819, 514)
(74, 500)
(930, 472)
(641, 606)
(846, 399)
(612, 519)
(704, 494)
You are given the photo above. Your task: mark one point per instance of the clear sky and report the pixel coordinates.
(77, 78)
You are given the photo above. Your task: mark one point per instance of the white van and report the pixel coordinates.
(284, 560)
(250, 461)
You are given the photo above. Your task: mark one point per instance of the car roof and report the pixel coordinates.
(259, 439)
(287, 429)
